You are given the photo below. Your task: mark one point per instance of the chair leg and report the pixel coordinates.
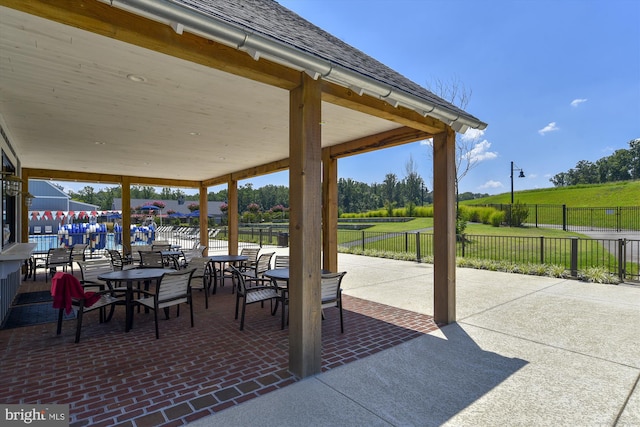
(244, 307)
(237, 303)
(155, 318)
(59, 321)
(191, 308)
(206, 293)
(79, 323)
(111, 310)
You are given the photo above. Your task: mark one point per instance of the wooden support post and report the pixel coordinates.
(329, 212)
(305, 199)
(125, 187)
(204, 217)
(444, 227)
(232, 217)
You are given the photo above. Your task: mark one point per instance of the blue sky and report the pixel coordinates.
(558, 81)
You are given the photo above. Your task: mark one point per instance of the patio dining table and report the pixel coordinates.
(172, 256)
(279, 275)
(221, 260)
(130, 276)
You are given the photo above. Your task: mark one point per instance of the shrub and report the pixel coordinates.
(518, 214)
(597, 275)
(424, 211)
(497, 218)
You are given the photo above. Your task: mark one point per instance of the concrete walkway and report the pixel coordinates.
(526, 351)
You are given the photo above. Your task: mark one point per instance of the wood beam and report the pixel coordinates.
(444, 227)
(391, 138)
(108, 21)
(265, 169)
(329, 212)
(107, 178)
(367, 104)
(305, 199)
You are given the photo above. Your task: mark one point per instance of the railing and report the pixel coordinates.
(98, 243)
(579, 219)
(619, 256)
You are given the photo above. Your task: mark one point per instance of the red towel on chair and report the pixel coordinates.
(65, 287)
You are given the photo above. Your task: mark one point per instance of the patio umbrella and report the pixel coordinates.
(196, 214)
(149, 208)
(177, 215)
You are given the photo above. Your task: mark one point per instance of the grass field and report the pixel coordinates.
(625, 193)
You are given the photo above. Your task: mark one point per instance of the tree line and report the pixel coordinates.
(353, 196)
(622, 165)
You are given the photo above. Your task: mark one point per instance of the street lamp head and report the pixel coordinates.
(521, 174)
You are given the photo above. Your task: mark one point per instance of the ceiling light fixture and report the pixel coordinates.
(136, 78)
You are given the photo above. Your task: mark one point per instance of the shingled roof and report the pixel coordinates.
(266, 28)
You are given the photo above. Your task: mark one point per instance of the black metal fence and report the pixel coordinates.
(578, 219)
(619, 256)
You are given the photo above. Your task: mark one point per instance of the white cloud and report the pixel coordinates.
(491, 184)
(472, 135)
(480, 152)
(428, 142)
(551, 127)
(577, 102)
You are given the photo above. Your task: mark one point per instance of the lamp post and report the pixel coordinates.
(521, 175)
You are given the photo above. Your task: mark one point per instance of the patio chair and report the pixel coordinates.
(68, 293)
(263, 264)
(252, 254)
(282, 261)
(174, 288)
(158, 246)
(118, 261)
(91, 269)
(189, 254)
(56, 257)
(331, 293)
(202, 276)
(151, 259)
(77, 253)
(252, 290)
(135, 252)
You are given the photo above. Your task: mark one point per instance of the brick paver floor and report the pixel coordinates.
(132, 379)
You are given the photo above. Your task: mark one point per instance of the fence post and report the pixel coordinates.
(541, 249)
(260, 236)
(406, 241)
(536, 215)
(574, 257)
(418, 246)
(619, 218)
(564, 217)
(463, 239)
(622, 256)
(362, 241)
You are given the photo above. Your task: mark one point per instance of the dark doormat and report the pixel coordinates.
(33, 297)
(33, 314)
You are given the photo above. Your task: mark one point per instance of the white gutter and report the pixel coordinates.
(182, 18)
